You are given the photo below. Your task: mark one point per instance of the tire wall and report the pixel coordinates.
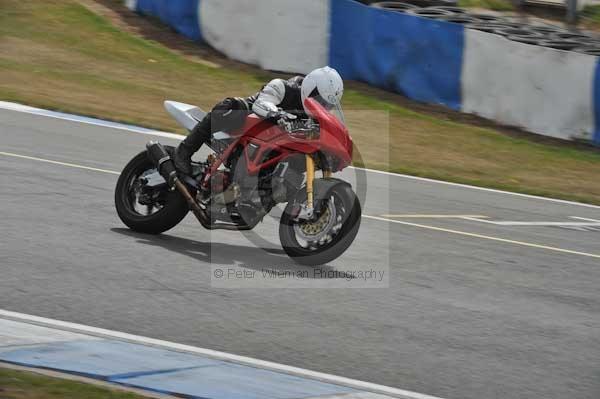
(542, 90)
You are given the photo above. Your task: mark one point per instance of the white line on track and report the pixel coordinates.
(533, 223)
(87, 120)
(489, 190)
(464, 233)
(104, 333)
(588, 219)
(425, 216)
(136, 129)
(483, 219)
(72, 165)
(481, 236)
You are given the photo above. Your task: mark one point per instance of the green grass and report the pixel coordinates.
(25, 385)
(496, 5)
(591, 14)
(57, 54)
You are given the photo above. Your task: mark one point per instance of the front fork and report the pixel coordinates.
(310, 178)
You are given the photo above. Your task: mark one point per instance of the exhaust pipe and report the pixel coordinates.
(161, 158)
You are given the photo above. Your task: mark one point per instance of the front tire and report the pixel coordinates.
(341, 204)
(167, 214)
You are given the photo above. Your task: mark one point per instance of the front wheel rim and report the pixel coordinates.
(318, 235)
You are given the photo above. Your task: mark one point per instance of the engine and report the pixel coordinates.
(234, 192)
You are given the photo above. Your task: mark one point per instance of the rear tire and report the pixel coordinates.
(340, 242)
(172, 212)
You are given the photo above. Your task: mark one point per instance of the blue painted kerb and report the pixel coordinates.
(165, 371)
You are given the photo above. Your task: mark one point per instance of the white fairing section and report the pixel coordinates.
(282, 35)
(540, 89)
(185, 114)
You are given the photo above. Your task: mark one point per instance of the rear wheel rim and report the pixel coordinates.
(133, 192)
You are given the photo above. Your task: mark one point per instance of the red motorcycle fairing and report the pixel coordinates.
(334, 136)
(267, 139)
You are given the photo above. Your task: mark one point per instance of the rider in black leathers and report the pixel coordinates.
(280, 100)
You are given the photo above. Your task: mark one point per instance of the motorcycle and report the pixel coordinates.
(249, 172)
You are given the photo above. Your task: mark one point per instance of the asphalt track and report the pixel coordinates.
(490, 295)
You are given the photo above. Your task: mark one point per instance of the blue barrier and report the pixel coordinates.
(596, 105)
(182, 15)
(417, 57)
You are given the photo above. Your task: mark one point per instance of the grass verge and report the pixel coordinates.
(25, 385)
(590, 16)
(60, 55)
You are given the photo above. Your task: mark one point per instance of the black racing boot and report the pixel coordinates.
(182, 156)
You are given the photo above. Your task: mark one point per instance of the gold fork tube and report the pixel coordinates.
(310, 177)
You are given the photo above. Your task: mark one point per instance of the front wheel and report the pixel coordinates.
(330, 232)
(145, 210)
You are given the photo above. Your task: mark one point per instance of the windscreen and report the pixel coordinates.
(332, 105)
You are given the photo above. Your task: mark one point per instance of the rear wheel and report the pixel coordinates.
(145, 210)
(326, 236)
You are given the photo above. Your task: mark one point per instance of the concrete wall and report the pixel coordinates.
(282, 35)
(544, 90)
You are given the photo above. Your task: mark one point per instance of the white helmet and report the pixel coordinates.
(325, 85)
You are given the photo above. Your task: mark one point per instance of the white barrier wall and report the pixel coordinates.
(540, 89)
(281, 35)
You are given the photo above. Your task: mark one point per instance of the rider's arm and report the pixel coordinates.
(269, 98)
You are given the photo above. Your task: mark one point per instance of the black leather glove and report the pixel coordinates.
(284, 119)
